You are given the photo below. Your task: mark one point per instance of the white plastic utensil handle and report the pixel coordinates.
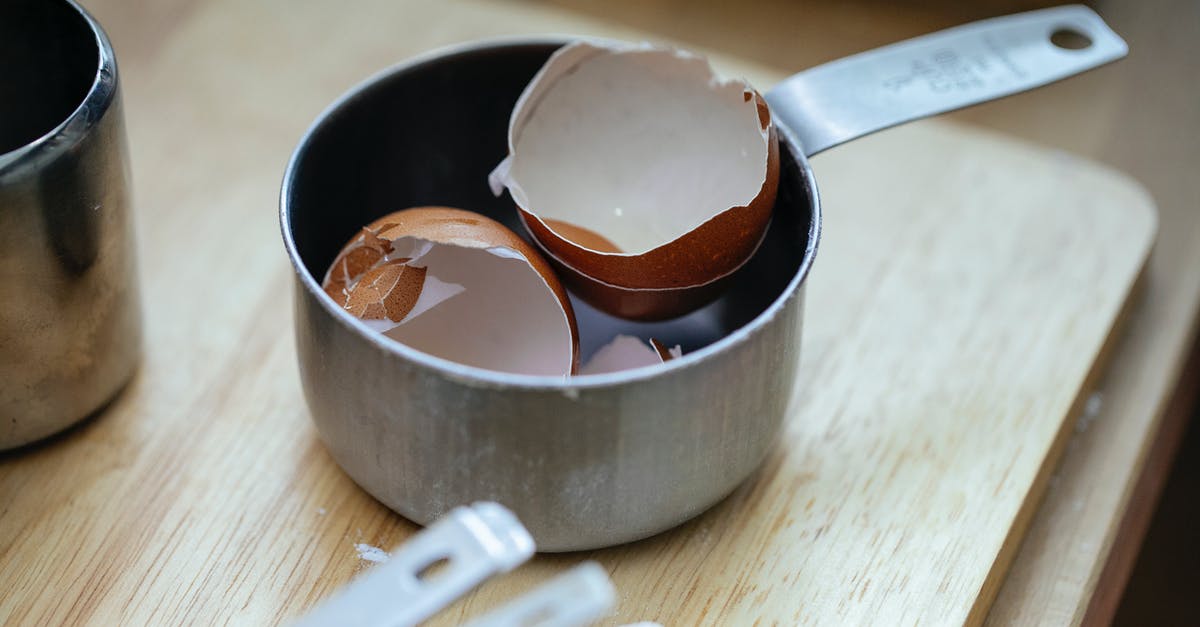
(950, 69)
(470, 544)
(578, 597)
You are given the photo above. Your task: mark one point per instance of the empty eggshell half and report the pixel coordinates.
(625, 352)
(645, 176)
(458, 285)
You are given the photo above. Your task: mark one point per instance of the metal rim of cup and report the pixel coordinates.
(481, 376)
(72, 129)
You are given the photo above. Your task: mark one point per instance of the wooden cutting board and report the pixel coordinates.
(963, 296)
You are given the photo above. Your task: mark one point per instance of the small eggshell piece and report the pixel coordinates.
(584, 237)
(363, 253)
(387, 292)
(626, 352)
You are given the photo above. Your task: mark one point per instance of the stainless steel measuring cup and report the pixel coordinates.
(69, 313)
(595, 460)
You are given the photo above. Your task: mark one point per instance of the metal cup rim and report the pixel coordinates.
(75, 127)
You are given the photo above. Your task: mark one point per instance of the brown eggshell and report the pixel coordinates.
(390, 289)
(645, 305)
(387, 292)
(357, 256)
(687, 266)
(583, 237)
(707, 253)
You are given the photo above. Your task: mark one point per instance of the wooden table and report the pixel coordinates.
(1079, 549)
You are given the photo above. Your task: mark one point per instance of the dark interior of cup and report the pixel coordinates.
(430, 133)
(49, 57)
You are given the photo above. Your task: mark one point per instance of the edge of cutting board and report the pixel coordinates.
(1016, 534)
(1100, 363)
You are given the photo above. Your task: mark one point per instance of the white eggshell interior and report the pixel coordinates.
(623, 353)
(484, 307)
(640, 145)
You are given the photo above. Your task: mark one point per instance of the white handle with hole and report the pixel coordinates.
(430, 571)
(958, 67)
(578, 597)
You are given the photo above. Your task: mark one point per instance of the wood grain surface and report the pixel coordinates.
(958, 308)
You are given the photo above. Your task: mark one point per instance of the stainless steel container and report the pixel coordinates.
(603, 459)
(69, 312)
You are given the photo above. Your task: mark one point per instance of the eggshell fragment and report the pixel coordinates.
(625, 352)
(387, 292)
(645, 177)
(458, 285)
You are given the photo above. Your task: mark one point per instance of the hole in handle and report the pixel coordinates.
(1068, 38)
(433, 569)
(539, 616)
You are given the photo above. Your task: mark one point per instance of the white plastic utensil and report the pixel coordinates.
(427, 573)
(449, 558)
(575, 598)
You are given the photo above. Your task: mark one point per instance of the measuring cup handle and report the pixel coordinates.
(950, 69)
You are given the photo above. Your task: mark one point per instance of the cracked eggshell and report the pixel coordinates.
(625, 352)
(495, 302)
(646, 178)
